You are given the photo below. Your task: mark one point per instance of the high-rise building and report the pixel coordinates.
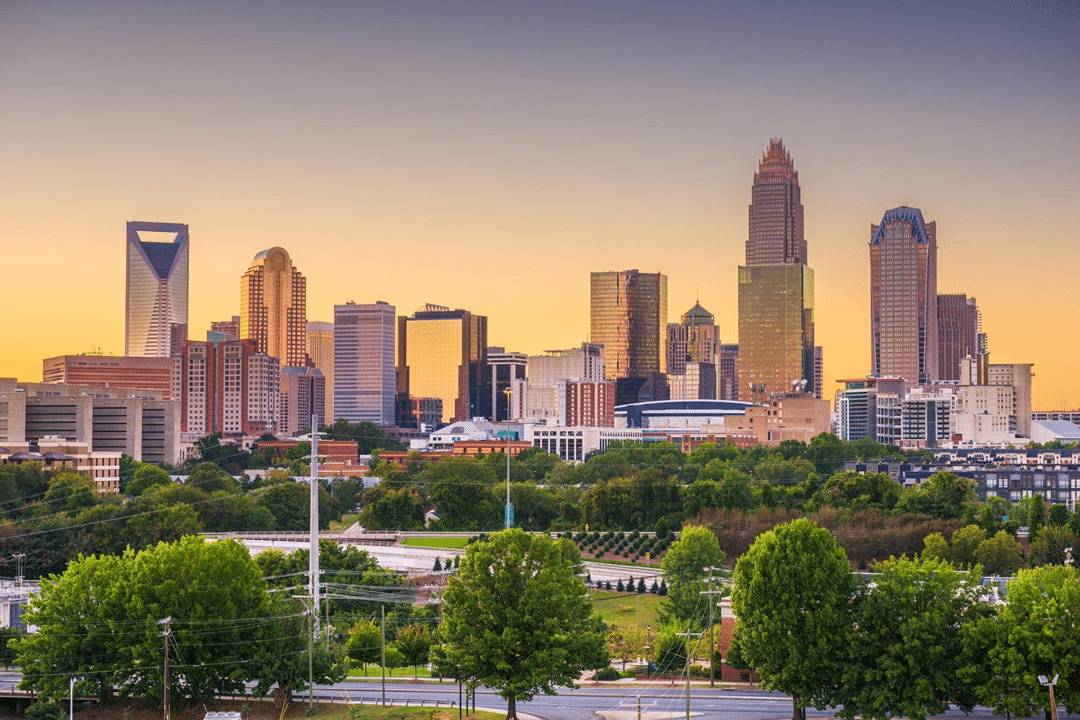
(229, 388)
(441, 355)
(549, 372)
(224, 330)
(858, 405)
(302, 395)
(958, 333)
(364, 378)
(776, 288)
(273, 307)
(320, 350)
(727, 372)
(506, 370)
(695, 338)
(628, 317)
(156, 303)
(903, 296)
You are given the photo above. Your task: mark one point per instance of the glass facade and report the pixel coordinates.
(628, 316)
(157, 291)
(364, 380)
(776, 328)
(273, 307)
(441, 355)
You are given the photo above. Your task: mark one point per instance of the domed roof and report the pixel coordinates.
(698, 315)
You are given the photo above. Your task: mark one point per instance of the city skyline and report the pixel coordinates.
(524, 147)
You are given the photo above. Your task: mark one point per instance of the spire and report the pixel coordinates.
(775, 165)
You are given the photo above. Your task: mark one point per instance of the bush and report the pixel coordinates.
(44, 711)
(608, 673)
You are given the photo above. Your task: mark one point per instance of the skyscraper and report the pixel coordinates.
(776, 288)
(958, 333)
(629, 314)
(903, 297)
(156, 312)
(441, 355)
(364, 379)
(273, 307)
(696, 338)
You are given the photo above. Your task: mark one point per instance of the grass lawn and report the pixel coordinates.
(630, 615)
(456, 543)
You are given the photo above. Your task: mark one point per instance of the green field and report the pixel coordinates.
(635, 617)
(453, 543)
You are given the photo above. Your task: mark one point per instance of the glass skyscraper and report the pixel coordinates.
(365, 382)
(903, 297)
(629, 318)
(776, 288)
(156, 305)
(441, 355)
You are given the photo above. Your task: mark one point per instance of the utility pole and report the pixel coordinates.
(310, 660)
(166, 622)
(688, 635)
(382, 610)
(313, 552)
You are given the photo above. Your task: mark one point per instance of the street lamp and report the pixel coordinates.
(1050, 684)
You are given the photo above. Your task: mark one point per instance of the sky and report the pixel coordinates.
(490, 155)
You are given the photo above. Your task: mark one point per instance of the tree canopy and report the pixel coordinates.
(793, 592)
(517, 619)
(689, 564)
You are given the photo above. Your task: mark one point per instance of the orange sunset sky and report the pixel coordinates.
(488, 156)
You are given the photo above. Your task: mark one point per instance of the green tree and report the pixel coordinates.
(965, 542)
(210, 478)
(1059, 515)
(688, 565)
(103, 616)
(935, 547)
(289, 503)
(414, 644)
(942, 495)
(461, 489)
(281, 660)
(905, 653)
(364, 645)
(7, 652)
(71, 492)
(401, 509)
(862, 490)
(1035, 632)
(792, 595)
(671, 648)
(517, 619)
(1000, 555)
(1049, 547)
(146, 477)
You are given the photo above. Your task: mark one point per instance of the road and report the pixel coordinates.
(617, 701)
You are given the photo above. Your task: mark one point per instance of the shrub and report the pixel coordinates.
(44, 711)
(608, 673)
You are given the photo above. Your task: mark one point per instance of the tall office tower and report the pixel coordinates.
(441, 355)
(958, 333)
(727, 373)
(505, 371)
(223, 330)
(903, 296)
(320, 350)
(547, 371)
(628, 317)
(776, 288)
(229, 388)
(157, 291)
(273, 307)
(302, 395)
(364, 376)
(695, 338)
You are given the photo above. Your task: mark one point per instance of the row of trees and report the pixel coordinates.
(52, 517)
(920, 637)
(102, 622)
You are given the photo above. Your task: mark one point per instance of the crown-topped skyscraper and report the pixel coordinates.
(776, 288)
